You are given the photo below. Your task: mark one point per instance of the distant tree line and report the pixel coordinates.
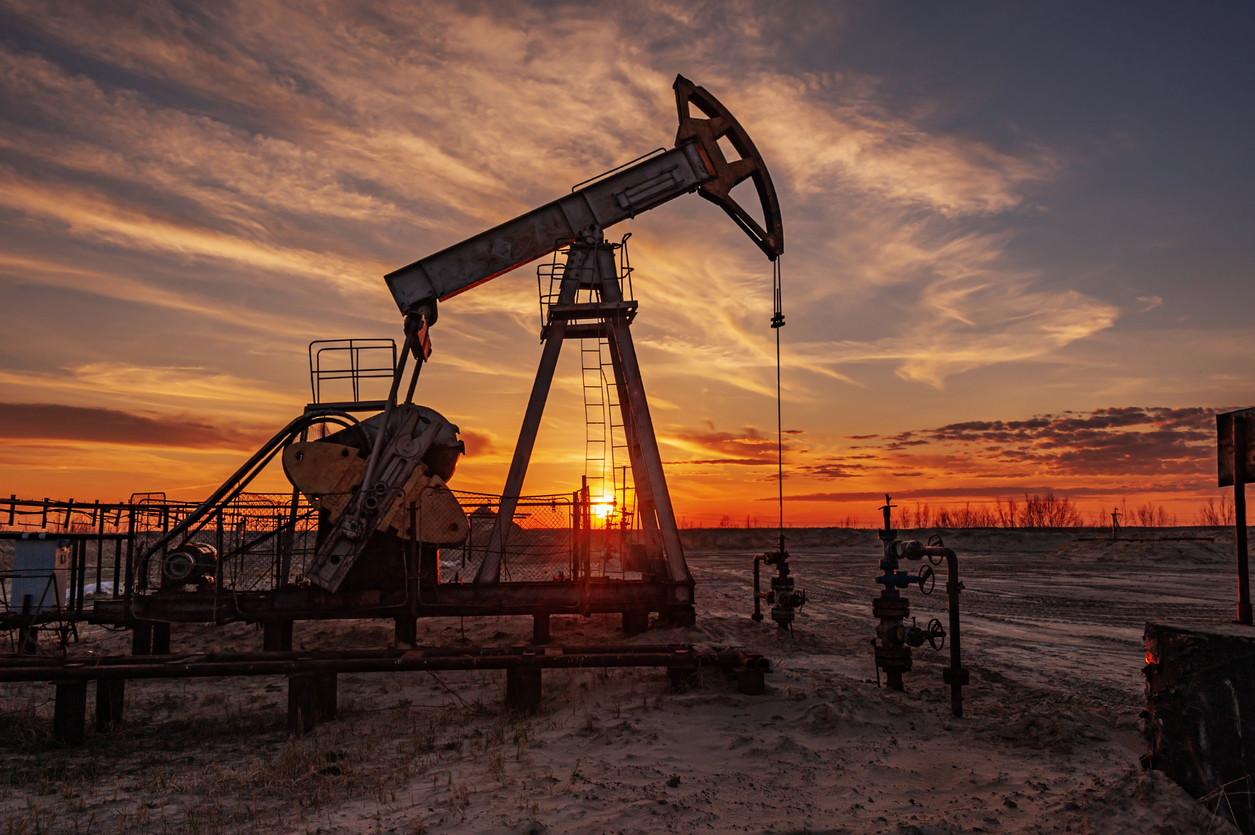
(1215, 515)
(1048, 511)
(1033, 512)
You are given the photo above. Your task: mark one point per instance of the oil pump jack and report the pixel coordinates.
(379, 484)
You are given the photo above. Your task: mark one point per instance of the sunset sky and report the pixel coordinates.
(1018, 258)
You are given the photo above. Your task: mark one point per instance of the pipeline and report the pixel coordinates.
(784, 599)
(956, 675)
(894, 639)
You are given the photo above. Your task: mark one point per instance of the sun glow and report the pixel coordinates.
(602, 508)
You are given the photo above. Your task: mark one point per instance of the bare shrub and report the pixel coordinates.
(1050, 512)
(1216, 515)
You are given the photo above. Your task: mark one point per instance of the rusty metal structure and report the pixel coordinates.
(371, 528)
(313, 676)
(894, 638)
(784, 599)
(1235, 461)
(1200, 700)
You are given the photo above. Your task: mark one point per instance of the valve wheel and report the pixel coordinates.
(935, 540)
(936, 635)
(927, 575)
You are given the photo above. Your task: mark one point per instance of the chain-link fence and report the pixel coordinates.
(536, 545)
(266, 541)
(262, 541)
(550, 538)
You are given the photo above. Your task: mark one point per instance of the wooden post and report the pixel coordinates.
(276, 636)
(311, 701)
(540, 629)
(100, 543)
(110, 694)
(405, 631)
(684, 679)
(69, 718)
(522, 689)
(142, 638)
(161, 638)
(1239, 520)
(635, 622)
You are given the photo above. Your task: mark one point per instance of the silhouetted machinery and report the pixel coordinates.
(785, 600)
(894, 638)
(385, 520)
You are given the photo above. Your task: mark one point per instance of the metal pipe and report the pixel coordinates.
(758, 595)
(956, 676)
(73, 537)
(10, 661)
(164, 668)
(372, 464)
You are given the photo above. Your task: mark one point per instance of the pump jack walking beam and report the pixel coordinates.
(696, 163)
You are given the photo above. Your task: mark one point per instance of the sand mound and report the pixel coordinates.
(1159, 551)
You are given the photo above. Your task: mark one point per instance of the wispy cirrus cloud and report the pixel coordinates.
(748, 447)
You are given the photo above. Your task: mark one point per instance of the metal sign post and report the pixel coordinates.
(1235, 457)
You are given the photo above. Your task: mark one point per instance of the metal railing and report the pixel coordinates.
(263, 542)
(351, 360)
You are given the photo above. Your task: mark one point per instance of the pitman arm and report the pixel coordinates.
(696, 163)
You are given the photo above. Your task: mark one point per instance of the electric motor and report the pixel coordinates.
(190, 563)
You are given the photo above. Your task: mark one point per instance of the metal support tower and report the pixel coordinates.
(591, 265)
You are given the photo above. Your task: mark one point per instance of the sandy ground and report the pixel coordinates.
(1050, 742)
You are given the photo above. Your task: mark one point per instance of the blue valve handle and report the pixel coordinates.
(897, 580)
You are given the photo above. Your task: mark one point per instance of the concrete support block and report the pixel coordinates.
(69, 717)
(142, 639)
(522, 689)
(276, 636)
(540, 629)
(679, 616)
(110, 695)
(28, 640)
(751, 682)
(312, 700)
(161, 638)
(684, 679)
(405, 631)
(635, 623)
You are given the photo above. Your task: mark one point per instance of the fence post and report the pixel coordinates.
(586, 536)
(100, 542)
(576, 525)
(1239, 519)
(130, 551)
